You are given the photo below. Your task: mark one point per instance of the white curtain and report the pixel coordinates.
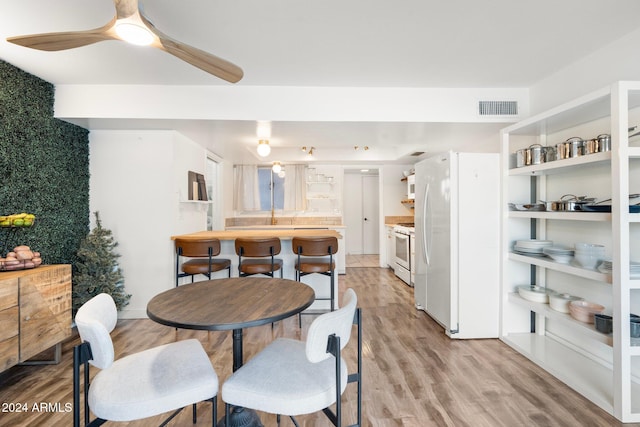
(246, 195)
(295, 188)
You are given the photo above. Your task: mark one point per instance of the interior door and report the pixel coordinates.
(353, 212)
(361, 213)
(370, 215)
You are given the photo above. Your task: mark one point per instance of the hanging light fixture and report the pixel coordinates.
(134, 34)
(281, 174)
(263, 148)
(276, 168)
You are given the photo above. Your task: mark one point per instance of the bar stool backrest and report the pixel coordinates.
(314, 246)
(197, 248)
(257, 246)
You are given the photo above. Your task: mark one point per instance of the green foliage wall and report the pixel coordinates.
(44, 169)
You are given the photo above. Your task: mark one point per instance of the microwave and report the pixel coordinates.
(411, 187)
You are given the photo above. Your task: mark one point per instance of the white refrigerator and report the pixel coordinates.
(457, 218)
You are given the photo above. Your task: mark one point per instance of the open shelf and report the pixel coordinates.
(565, 216)
(547, 311)
(562, 166)
(588, 377)
(564, 268)
(594, 364)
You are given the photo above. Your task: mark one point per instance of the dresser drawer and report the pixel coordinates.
(9, 324)
(9, 352)
(8, 292)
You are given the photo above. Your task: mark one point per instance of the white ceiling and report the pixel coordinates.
(354, 43)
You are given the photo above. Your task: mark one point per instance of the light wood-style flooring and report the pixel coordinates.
(413, 374)
(356, 261)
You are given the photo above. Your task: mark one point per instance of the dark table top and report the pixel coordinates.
(234, 303)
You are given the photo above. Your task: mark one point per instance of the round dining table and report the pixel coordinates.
(230, 304)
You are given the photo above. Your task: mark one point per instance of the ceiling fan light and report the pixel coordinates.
(263, 148)
(134, 34)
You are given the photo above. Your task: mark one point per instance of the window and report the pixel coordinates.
(256, 188)
(271, 189)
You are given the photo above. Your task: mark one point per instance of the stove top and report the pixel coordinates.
(404, 228)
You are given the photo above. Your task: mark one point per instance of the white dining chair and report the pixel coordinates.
(291, 377)
(154, 381)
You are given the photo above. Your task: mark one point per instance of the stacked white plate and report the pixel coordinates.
(531, 247)
(535, 293)
(559, 254)
(607, 266)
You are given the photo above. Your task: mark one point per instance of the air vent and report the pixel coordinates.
(498, 108)
(417, 153)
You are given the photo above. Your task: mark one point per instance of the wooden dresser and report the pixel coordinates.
(35, 312)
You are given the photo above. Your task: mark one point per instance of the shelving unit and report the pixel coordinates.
(603, 368)
(323, 190)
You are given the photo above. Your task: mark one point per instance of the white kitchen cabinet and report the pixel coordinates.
(603, 368)
(391, 247)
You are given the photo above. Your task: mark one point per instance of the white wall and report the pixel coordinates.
(138, 179)
(617, 61)
(393, 191)
(257, 103)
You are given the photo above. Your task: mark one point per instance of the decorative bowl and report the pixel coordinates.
(535, 293)
(584, 311)
(635, 327)
(603, 323)
(560, 302)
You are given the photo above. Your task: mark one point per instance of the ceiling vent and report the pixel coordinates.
(498, 108)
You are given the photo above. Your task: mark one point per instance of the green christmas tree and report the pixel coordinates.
(97, 269)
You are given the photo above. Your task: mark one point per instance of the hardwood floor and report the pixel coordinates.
(413, 374)
(354, 261)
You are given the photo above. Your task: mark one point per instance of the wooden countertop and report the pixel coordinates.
(282, 234)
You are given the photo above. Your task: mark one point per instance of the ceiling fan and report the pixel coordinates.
(129, 24)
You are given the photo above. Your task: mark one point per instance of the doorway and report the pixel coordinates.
(361, 214)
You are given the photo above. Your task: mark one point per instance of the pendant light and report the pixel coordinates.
(276, 168)
(263, 147)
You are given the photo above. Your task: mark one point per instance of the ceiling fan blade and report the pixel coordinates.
(66, 39)
(198, 58)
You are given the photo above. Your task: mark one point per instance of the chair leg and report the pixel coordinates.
(333, 297)
(194, 414)
(214, 411)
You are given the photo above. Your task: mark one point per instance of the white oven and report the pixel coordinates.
(402, 234)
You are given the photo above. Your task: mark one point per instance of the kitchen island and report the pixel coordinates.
(319, 283)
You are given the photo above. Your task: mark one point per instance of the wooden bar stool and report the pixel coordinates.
(256, 255)
(202, 253)
(315, 255)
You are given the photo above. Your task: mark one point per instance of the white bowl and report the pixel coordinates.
(560, 302)
(587, 260)
(535, 293)
(561, 255)
(588, 247)
(561, 258)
